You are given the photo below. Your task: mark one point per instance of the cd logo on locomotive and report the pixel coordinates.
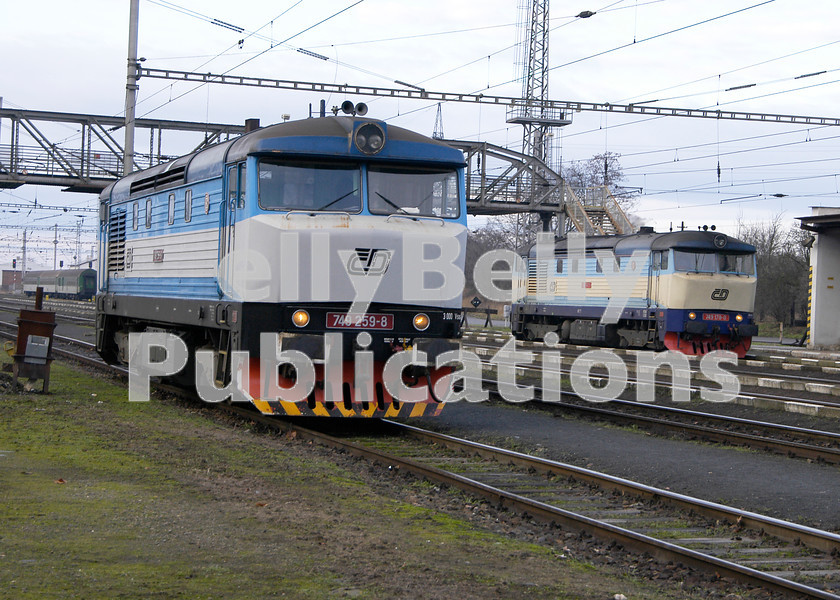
(369, 261)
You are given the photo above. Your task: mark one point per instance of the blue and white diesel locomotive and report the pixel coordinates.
(688, 291)
(304, 229)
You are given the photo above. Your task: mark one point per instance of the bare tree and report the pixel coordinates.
(602, 169)
(782, 271)
(498, 234)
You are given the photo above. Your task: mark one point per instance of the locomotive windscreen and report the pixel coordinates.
(309, 186)
(420, 191)
(714, 262)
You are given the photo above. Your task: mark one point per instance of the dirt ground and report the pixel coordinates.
(100, 498)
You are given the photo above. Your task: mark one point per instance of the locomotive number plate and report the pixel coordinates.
(715, 317)
(356, 321)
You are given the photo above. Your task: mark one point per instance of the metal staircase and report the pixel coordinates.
(594, 211)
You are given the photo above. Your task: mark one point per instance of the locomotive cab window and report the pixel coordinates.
(309, 186)
(426, 192)
(695, 262)
(741, 264)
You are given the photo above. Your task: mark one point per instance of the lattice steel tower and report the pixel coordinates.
(536, 119)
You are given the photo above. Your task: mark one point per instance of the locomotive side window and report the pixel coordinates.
(188, 206)
(236, 186)
(171, 208)
(232, 184)
(148, 213)
(428, 192)
(615, 264)
(135, 211)
(659, 260)
(242, 180)
(309, 186)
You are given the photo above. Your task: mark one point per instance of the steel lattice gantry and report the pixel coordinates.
(88, 160)
(525, 184)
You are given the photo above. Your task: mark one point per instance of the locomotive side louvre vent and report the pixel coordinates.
(160, 180)
(116, 241)
(532, 277)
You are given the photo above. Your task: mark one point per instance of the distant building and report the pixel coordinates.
(824, 292)
(11, 281)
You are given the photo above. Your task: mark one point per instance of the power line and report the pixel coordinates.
(261, 53)
(764, 62)
(659, 35)
(774, 146)
(46, 207)
(739, 167)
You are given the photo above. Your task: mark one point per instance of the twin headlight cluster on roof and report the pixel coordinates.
(370, 137)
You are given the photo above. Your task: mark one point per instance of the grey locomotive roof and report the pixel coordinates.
(323, 127)
(210, 162)
(649, 240)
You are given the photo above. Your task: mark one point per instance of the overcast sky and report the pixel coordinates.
(70, 57)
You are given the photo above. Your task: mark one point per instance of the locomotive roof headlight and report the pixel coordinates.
(739, 318)
(421, 322)
(369, 138)
(300, 318)
(692, 316)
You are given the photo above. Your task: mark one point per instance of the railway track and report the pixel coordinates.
(788, 391)
(747, 547)
(799, 442)
(790, 359)
(811, 444)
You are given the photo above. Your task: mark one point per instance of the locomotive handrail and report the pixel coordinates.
(417, 218)
(318, 213)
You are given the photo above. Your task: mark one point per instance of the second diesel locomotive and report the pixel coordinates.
(282, 231)
(687, 291)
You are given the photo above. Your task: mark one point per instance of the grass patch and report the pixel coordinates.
(102, 498)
